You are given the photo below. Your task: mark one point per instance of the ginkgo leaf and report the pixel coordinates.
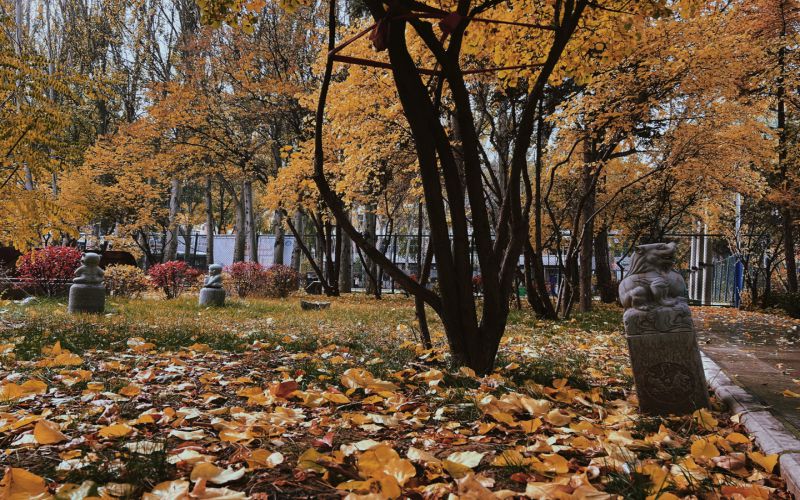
(214, 474)
(19, 484)
(116, 430)
(469, 459)
(47, 432)
(702, 448)
(557, 417)
(705, 420)
(767, 462)
(169, 490)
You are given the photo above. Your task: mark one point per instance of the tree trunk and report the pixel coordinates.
(608, 292)
(587, 239)
(790, 257)
(171, 245)
(280, 236)
(241, 240)
(371, 275)
(296, 250)
(251, 229)
(346, 265)
(209, 223)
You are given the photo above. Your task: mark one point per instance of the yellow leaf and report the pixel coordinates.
(767, 462)
(704, 419)
(466, 458)
(530, 426)
(736, 438)
(116, 430)
(791, 394)
(169, 490)
(557, 418)
(130, 391)
(382, 459)
(702, 448)
(555, 463)
(19, 484)
(47, 432)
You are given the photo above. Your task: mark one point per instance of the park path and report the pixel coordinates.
(760, 352)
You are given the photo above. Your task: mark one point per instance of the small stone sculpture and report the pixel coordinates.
(667, 368)
(212, 293)
(87, 293)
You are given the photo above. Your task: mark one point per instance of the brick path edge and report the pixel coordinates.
(770, 434)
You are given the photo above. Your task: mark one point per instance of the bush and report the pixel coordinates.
(122, 280)
(173, 277)
(48, 271)
(247, 278)
(280, 281)
(788, 302)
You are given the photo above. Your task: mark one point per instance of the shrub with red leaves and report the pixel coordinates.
(247, 278)
(281, 281)
(173, 277)
(48, 271)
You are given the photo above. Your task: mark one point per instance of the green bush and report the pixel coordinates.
(122, 280)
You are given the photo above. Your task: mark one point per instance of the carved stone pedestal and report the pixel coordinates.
(665, 359)
(87, 298)
(668, 372)
(212, 297)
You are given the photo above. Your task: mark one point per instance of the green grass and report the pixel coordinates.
(356, 326)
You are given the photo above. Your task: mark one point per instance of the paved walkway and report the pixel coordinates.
(760, 352)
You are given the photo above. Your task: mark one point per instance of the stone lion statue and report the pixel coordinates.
(653, 293)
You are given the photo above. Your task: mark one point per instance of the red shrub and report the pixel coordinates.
(281, 281)
(48, 270)
(247, 278)
(173, 277)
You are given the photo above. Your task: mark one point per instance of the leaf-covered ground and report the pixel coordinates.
(165, 400)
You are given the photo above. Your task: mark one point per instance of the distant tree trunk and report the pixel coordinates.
(209, 223)
(587, 239)
(171, 245)
(346, 265)
(790, 257)
(187, 241)
(608, 293)
(372, 285)
(240, 241)
(251, 230)
(296, 250)
(280, 236)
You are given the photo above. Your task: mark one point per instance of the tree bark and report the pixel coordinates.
(240, 241)
(605, 283)
(296, 250)
(346, 265)
(280, 236)
(587, 239)
(171, 245)
(209, 223)
(371, 274)
(251, 229)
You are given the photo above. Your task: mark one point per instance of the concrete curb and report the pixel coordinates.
(769, 433)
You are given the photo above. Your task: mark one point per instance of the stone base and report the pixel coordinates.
(312, 306)
(87, 298)
(212, 297)
(668, 372)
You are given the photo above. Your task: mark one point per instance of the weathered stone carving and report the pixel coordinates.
(667, 368)
(87, 293)
(212, 293)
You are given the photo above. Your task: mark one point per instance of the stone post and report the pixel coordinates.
(87, 293)
(212, 293)
(665, 359)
